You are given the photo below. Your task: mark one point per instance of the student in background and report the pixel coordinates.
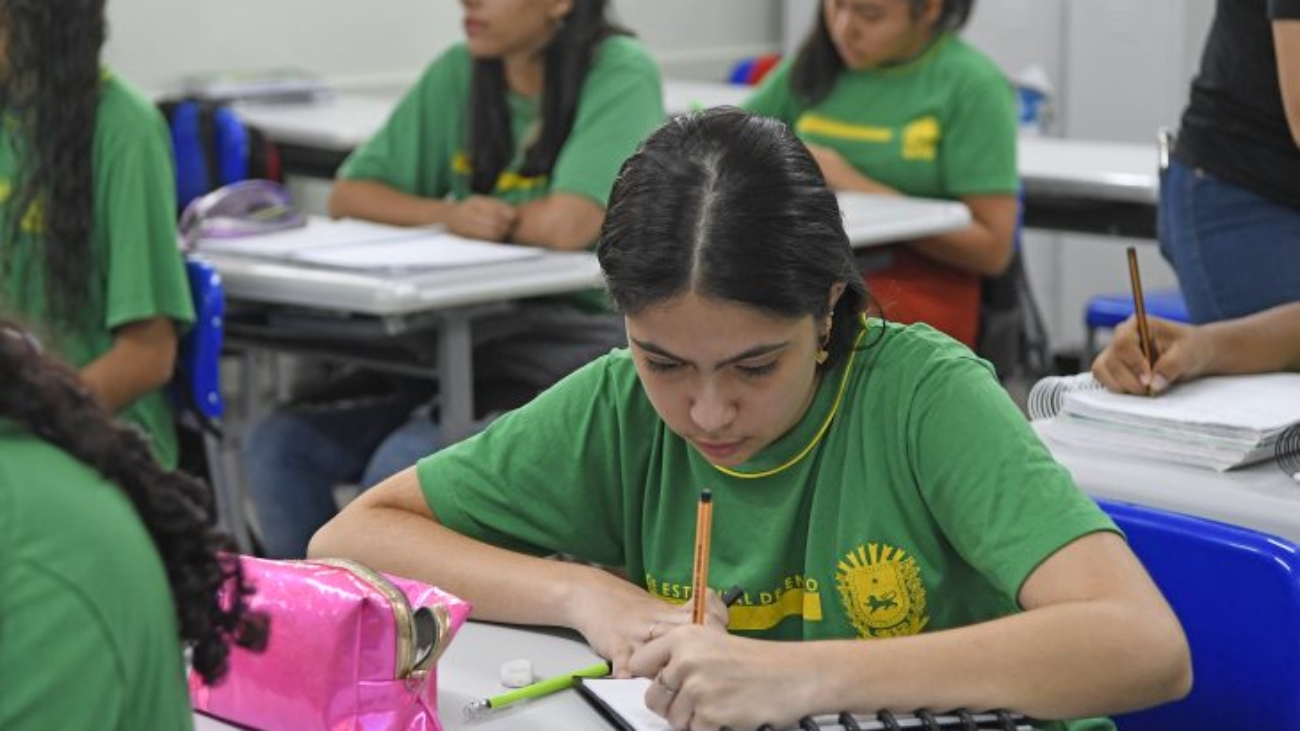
(88, 212)
(890, 100)
(107, 563)
(1265, 342)
(1230, 200)
(982, 576)
(514, 135)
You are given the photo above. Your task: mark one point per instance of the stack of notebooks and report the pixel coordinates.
(1219, 423)
(622, 703)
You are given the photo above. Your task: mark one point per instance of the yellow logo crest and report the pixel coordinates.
(882, 592)
(921, 139)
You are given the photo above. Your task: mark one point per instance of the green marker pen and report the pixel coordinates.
(536, 690)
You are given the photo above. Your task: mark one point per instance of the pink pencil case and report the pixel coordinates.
(349, 648)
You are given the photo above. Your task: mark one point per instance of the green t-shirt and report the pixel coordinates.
(423, 147)
(140, 272)
(925, 506)
(88, 635)
(940, 126)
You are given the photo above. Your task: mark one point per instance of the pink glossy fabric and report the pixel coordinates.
(330, 658)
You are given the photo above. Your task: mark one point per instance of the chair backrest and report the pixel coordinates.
(1237, 593)
(197, 383)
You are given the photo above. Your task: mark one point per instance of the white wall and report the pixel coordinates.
(364, 42)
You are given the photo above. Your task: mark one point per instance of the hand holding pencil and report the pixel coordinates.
(1183, 352)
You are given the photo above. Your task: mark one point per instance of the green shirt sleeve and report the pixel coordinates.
(995, 491)
(774, 97)
(546, 477)
(135, 213)
(414, 150)
(621, 102)
(979, 144)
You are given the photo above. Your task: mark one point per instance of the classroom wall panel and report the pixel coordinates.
(387, 43)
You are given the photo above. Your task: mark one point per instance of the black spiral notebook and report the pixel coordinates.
(622, 703)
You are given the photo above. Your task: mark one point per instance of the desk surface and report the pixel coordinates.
(471, 668)
(344, 120)
(1107, 171)
(869, 220)
(1259, 497)
(390, 295)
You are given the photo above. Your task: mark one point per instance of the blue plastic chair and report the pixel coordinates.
(1237, 593)
(197, 391)
(1107, 311)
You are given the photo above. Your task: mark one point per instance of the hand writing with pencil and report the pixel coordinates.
(1182, 352)
(617, 618)
(705, 679)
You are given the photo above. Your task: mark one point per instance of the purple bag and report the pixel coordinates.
(349, 648)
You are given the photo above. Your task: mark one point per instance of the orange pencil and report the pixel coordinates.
(1140, 312)
(700, 579)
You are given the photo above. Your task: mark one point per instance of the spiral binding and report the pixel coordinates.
(1048, 395)
(1287, 451)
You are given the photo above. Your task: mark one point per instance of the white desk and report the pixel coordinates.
(1259, 497)
(471, 669)
(1105, 171)
(448, 300)
(681, 95)
(874, 220)
(343, 121)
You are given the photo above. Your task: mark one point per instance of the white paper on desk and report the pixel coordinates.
(429, 251)
(1241, 406)
(626, 697)
(319, 233)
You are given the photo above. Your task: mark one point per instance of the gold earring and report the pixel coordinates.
(821, 356)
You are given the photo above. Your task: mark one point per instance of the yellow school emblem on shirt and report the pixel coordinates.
(921, 139)
(882, 592)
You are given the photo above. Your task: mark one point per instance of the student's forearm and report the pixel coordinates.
(1264, 342)
(504, 586)
(374, 201)
(1065, 661)
(141, 360)
(1286, 42)
(561, 221)
(973, 249)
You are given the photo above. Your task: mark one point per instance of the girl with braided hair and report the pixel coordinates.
(105, 561)
(88, 250)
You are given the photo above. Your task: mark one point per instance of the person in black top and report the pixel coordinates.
(1230, 199)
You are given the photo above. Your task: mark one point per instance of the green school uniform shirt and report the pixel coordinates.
(139, 272)
(88, 635)
(423, 147)
(940, 126)
(925, 506)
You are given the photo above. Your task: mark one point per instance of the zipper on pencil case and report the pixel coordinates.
(421, 632)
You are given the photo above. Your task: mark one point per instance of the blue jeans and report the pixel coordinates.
(1235, 252)
(294, 457)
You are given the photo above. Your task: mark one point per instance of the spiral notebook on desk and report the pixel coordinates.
(1221, 423)
(622, 703)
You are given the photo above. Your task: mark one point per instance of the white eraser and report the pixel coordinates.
(516, 673)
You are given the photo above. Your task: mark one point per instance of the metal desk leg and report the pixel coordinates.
(456, 377)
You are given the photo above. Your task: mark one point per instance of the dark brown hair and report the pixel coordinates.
(46, 396)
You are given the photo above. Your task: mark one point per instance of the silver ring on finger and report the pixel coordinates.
(668, 688)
